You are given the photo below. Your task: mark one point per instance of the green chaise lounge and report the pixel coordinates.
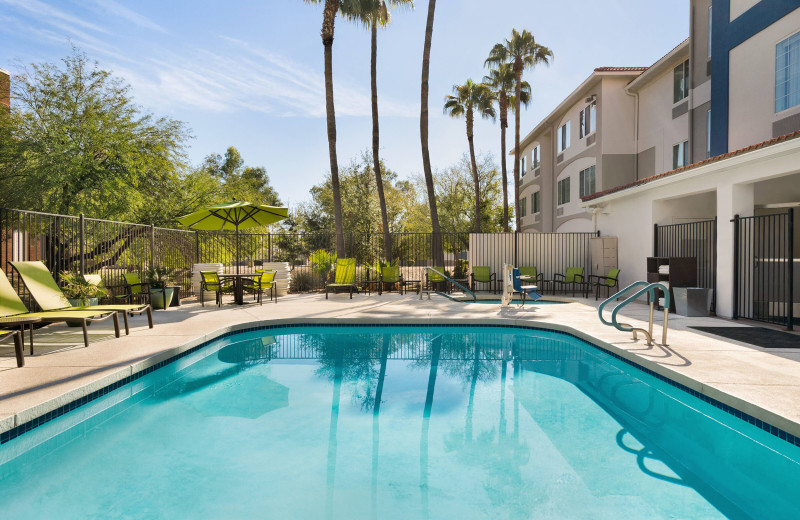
(345, 277)
(47, 294)
(11, 306)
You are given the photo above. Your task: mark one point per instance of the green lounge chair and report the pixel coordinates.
(209, 281)
(391, 277)
(482, 274)
(18, 344)
(573, 278)
(345, 277)
(47, 294)
(607, 282)
(264, 280)
(434, 281)
(11, 306)
(135, 289)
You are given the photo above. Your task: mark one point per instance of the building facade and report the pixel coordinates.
(5, 89)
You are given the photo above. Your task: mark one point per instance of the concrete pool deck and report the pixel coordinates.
(764, 383)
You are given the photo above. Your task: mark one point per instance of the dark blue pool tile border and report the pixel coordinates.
(61, 410)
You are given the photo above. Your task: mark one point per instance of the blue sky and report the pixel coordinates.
(249, 73)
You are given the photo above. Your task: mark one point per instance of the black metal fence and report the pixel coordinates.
(765, 278)
(692, 239)
(108, 248)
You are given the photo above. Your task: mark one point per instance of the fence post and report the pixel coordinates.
(714, 265)
(655, 240)
(83, 244)
(152, 246)
(197, 246)
(516, 240)
(269, 246)
(790, 292)
(736, 267)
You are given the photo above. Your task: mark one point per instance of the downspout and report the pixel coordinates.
(635, 131)
(692, 158)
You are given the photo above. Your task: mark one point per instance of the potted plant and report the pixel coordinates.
(79, 292)
(158, 279)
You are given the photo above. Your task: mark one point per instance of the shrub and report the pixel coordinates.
(301, 282)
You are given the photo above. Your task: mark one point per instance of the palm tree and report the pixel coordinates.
(347, 7)
(522, 52)
(469, 98)
(438, 252)
(377, 14)
(502, 81)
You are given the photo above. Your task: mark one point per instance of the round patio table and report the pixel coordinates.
(13, 322)
(238, 285)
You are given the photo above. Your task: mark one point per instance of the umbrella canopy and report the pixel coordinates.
(233, 215)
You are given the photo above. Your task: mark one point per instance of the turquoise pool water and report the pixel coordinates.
(389, 422)
(515, 302)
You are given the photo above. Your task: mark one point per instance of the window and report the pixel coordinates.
(586, 178)
(536, 202)
(563, 191)
(708, 135)
(681, 81)
(680, 155)
(787, 73)
(563, 137)
(522, 166)
(536, 156)
(523, 207)
(588, 116)
(709, 31)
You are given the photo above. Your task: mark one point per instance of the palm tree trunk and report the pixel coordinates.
(328, 18)
(475, 179)
(387, 237)
(518, 91)
(438, 253)
(503, 126)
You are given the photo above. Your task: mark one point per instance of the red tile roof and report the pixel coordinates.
(620, 69)
(753, 147)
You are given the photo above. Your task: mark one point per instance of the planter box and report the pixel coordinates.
(157, 297)
(692, 301)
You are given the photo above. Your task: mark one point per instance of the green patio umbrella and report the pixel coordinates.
(234, 216)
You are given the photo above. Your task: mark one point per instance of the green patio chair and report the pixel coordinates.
(11, 306)
(532, 275)
(18, 344)
(607, 282)
(391, 277)
(135, 289)
(209, 281)
(345, 277)
(573, 278)
(264, 280)
(434, 281)
(47, 294)
(482, 274)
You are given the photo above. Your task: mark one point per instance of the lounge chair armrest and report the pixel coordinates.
(556, 277)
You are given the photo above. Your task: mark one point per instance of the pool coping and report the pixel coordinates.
(13, 426)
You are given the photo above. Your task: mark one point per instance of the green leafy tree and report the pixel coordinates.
(240, 182)
(74, 141)
(522, 52)
(502, 81)
(470, 98)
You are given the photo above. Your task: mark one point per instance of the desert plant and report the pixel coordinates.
(77, 288)
(302, 282)
(159, 277)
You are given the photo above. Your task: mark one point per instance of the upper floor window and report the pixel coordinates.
(586, 179)
(523, 206)
(563, 137)
(680, 155)
(681, 81)
(536, 156)
(588, 117)
(522, 165)
(563, 191)
(787, 73)
(536, 202)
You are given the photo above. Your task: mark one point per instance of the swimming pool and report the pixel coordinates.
(398, 422)
(516, 302)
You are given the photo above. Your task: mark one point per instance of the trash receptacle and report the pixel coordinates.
(692, 301)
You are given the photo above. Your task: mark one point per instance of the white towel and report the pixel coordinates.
(663, 269)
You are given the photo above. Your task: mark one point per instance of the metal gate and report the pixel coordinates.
(764, 269)
(692, 239)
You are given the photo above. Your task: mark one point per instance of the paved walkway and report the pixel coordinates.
(764, 383)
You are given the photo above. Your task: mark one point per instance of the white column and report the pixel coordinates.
(732, 199)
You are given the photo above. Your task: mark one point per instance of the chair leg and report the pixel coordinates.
(127, 327)
(150, 316)
(85, 333)
(19, 346)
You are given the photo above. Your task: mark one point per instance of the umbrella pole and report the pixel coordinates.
(237, 249)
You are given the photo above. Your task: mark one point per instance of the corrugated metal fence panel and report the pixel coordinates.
(692, 239)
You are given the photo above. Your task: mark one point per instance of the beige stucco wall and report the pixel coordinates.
(657, 128)
(740, 6)
(752, 85)
(616, 115)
